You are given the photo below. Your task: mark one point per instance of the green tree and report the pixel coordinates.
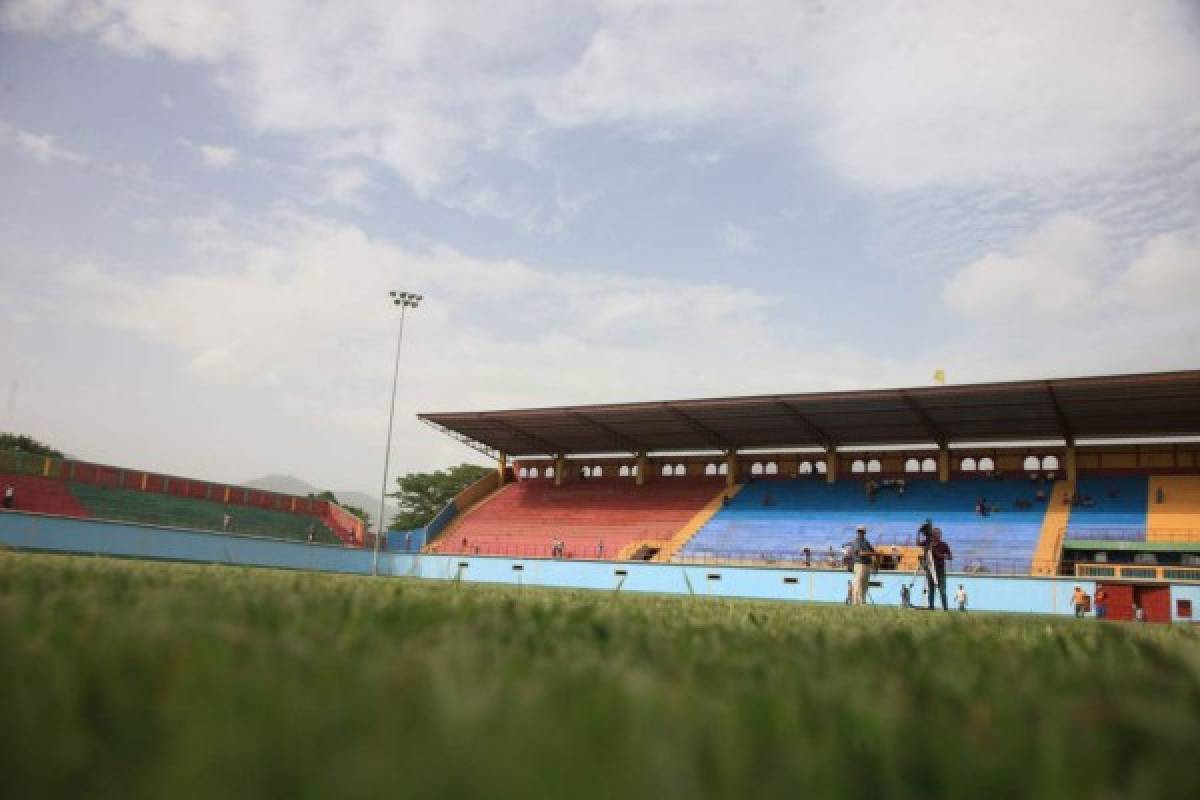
(423, 494)
(27, 444)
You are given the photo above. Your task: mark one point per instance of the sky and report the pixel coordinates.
(205, 204)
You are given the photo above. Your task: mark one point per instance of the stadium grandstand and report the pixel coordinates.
(71, 488)
(1046, 477)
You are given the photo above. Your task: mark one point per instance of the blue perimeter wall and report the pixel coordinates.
(82, 536)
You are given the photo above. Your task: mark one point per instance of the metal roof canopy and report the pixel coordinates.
(1165, 404)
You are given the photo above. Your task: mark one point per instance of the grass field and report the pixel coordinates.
(124, 679)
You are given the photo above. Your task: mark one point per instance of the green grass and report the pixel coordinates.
(125, 679)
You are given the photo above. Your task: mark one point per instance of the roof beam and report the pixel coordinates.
(633, 445)
(549, 448)
(931, 427)
(1063, 424)
(700, 428)
(487, 450)
(817, 433)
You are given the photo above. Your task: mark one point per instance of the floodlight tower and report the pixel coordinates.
(405, 300)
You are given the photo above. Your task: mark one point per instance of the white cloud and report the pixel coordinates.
(294, 310)
(42, 148)
(891, 95)
(1067, 273)
(739, 239)
(216, 156)
(1165, 276)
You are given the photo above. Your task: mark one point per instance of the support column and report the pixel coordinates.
(831, 465)
(502, 468)
(560, 469)
(643, 464)
(943, 461)
(731, 468)
(1069, 464)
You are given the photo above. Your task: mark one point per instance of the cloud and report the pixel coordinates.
(1067, 273)
(893, 97)
(739, 239)
(217, 157)
(43, 148)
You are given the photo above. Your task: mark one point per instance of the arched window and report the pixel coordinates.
(929, 465)
(524, 473)
(986, 464)
(805, 468)
(723, 469)
(667, 470)
(597, 471)
(771, 468)
(634, 471)
(874, 466)
(623, 471)
(710, 469)
(912, 465)
(756, 468)
(858, 466)
(967, 464)
(533, 472)
(680, 471)
(1032, 464)
(549, 472)
(586, 472)
(1050, 463)
(822, 467)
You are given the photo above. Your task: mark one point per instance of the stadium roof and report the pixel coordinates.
(1165, 404)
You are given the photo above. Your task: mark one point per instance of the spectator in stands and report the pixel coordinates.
(226, 519)
(1078, 601)
(960, 598)
(981, 508)
(863, 555)
(10, 496)
(938, 554)
(849, 593)
(905, 596)
(600, 549)
(312, 531)
(848, 556)
(1101, 603)
(807, 557)
(1139, 613)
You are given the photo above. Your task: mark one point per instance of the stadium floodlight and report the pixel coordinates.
(405, 300)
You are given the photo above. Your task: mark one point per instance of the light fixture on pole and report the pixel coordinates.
(405, 300)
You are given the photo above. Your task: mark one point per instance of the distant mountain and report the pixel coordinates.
(290, 484)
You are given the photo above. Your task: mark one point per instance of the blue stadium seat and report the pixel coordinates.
(777, 519)
(1118, 510)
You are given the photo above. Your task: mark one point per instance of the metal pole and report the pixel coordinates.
(387, 452)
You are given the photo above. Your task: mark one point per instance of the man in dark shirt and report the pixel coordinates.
(937, 553)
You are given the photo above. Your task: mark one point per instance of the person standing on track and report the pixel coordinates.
(935, 567)
(9, 496)
(863, 556)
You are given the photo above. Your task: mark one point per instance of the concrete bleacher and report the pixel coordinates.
(774, 520)
(153, 508)
(525, 517)
(1110, 508)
